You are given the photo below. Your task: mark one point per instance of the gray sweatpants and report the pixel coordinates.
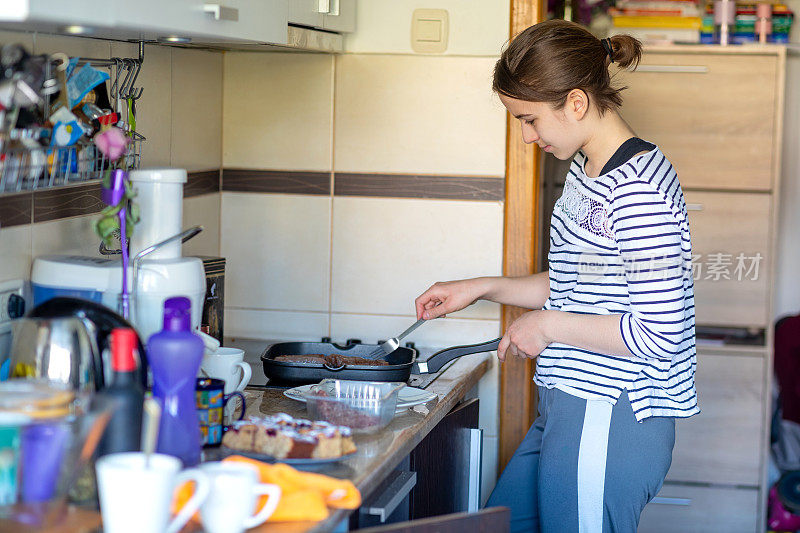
(585, 466)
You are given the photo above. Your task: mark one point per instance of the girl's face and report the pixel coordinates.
(557, 131)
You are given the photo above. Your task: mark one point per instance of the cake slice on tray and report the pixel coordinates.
(284, 437)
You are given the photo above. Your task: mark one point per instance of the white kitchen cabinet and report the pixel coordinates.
(235, 21)
(333, 15)
(81, 12)
(305, 13)
(255, 20)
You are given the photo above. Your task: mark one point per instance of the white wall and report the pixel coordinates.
(787, 282)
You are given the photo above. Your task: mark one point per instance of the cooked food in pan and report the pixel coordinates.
(334, 360)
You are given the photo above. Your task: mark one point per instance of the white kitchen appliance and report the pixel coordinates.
(163, 273)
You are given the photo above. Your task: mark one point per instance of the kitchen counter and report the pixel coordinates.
(377, 454)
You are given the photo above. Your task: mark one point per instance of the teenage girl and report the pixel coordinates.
(613, 319)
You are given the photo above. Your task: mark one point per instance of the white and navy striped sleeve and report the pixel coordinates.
(650, 238)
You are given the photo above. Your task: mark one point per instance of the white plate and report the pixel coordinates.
(406, 397)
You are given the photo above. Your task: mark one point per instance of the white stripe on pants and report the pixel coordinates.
(592, 455)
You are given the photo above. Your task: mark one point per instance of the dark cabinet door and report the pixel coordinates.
(442, 464)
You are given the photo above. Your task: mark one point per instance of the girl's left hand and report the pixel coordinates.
(525, 337)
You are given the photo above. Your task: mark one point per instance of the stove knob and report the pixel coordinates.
(326, 340)
(410, 345)
(16, 306)
(351, 342)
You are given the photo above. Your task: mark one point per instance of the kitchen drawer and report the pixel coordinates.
(712, 115)
(723, 443)
(680, 509)
(730, 224)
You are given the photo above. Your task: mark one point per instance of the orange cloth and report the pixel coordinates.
(305, 496)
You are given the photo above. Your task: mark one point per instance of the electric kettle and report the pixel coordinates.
(67, 340)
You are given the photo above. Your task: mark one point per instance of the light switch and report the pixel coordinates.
(429, 29)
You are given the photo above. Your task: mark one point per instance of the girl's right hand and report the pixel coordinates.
(445, 297)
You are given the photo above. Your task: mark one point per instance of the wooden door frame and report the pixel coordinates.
(520, 245)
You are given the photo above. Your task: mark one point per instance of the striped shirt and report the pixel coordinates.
(620, 244)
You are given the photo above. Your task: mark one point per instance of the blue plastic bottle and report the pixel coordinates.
(175, 354)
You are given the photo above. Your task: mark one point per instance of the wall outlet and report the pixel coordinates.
(9, 289)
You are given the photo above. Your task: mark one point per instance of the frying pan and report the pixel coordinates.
(402, 362)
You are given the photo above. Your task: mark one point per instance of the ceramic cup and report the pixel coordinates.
(228, 365)
(210, 401)
(235, 489)
(136, 497)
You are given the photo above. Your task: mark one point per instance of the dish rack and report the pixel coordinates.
(28, 169)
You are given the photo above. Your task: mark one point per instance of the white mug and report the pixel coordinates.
(228, 364)
(235, 489)
(136, 497)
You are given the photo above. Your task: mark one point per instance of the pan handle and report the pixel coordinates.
(442, 357)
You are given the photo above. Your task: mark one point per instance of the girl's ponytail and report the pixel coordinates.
(627, 51)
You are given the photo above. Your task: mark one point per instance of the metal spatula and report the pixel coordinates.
(387, 347)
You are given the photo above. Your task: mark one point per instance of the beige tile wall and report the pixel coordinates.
(361, 261)
(195, 124)
(277, 110)
(418, 114)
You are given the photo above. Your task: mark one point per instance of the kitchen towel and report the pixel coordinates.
(305, 496)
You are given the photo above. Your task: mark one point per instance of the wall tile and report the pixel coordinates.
(154, 108)
(386, 252)
(16, 209)
(278, 325)
(203, 210)
(21, 37)
(277, 111)
(427, 115)
(439, 333)
(73, 236)
(72, 46)
(15, 250)
(278, 251)
(196, 109)
(476, 28)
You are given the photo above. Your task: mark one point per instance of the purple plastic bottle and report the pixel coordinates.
(175, 354)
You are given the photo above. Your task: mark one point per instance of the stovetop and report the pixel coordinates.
(253, 348)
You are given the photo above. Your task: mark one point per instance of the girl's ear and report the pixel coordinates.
(577, 104)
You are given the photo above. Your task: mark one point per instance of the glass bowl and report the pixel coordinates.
(363, 406)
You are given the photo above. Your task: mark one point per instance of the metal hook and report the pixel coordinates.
(124, 94)
(115, 86)
(133, 93)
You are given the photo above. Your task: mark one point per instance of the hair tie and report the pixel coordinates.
(608, 48)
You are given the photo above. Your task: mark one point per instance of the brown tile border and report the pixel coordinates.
(64, 202)
(16, 209)
(202, 182)
(419, 186)
(276, 181)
